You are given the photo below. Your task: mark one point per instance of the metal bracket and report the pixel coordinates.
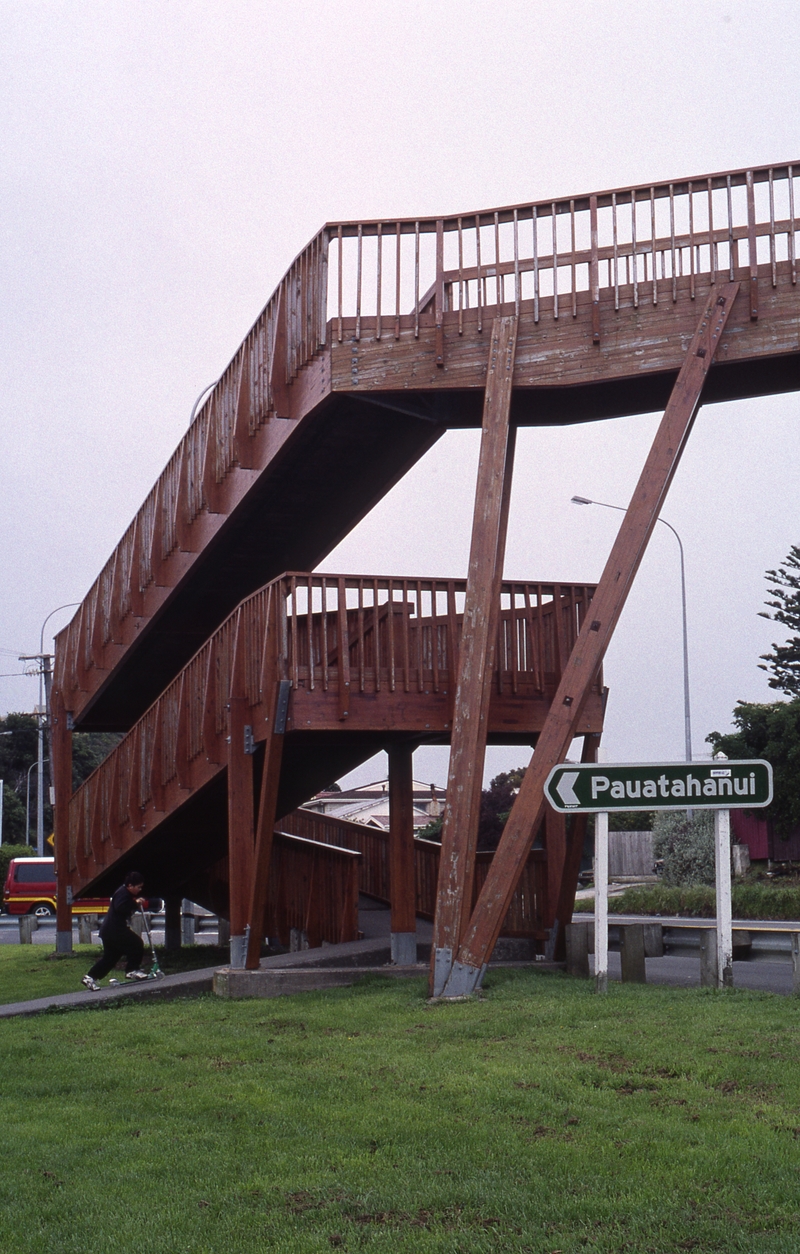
(442, 965)
(464, 980)
(282, 706)
(249, 739)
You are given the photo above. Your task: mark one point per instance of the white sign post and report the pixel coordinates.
(722, 860)
(601, 902)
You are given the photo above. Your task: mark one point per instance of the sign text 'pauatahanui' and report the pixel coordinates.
(593, 788)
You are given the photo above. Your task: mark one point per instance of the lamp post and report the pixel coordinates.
(28, 801)
(687, 721)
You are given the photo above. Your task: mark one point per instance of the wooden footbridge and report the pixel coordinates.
(242, 690)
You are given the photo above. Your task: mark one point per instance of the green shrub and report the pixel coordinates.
(698, 901)
(686, 846)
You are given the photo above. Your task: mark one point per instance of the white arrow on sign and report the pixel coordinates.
(565, 789)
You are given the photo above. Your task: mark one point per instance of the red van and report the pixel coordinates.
(30, 888)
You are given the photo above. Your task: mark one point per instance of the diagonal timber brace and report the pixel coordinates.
(556, 736)
(471, 707)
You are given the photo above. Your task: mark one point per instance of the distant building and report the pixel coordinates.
(760, 837)
(369, 804)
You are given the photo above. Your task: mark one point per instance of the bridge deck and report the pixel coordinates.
(335, 393)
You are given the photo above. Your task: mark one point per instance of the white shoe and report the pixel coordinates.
(136, 975)
(91, 984)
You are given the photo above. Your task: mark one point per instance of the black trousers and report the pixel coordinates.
(114, 946)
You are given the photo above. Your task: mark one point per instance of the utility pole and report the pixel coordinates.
(43, 662)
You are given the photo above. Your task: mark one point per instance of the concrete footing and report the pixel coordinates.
(28, 924)
(404, 948)
(64, 942)
(631, 953)
(85, 924)
(580, 943)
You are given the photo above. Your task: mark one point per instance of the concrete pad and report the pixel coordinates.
(364, 953)
(276, 982)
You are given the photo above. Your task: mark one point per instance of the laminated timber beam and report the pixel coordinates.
(240, 779)
(471, 707)
(565, 904)
(587, 654)
(402, 877)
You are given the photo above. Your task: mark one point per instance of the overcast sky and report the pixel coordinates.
(161, 165)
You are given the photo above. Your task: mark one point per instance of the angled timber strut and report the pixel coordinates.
(587, 653)
(375, 342)
(470, 716)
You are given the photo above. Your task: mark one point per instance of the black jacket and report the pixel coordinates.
(122, 907)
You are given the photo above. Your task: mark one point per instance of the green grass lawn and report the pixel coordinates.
(30, 971)
(540, 1118)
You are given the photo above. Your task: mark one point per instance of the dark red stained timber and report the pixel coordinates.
(331, 397)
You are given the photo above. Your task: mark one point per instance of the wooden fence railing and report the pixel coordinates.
(640, 238)
(526, 913)
(313, 887)
(404, 634)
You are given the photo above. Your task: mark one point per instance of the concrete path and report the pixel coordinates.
(185, 984)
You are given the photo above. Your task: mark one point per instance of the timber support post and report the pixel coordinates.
(62, 782)
(240, 804)
(556, 946)
(562, 719)
(265, 826)
(172, 923)
(481, 613)
(402, 880)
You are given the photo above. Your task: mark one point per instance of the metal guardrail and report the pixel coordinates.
(636, 939)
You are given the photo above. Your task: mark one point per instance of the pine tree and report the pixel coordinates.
(784, 662)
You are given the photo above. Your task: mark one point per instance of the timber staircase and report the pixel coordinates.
(380, 336)
(361, 662)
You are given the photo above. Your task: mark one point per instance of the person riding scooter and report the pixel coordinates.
(118, 939)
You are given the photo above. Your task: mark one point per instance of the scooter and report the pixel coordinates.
(155, 972)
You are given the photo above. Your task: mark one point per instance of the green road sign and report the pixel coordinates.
(589, 788)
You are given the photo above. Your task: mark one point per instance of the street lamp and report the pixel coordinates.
(687, 721)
